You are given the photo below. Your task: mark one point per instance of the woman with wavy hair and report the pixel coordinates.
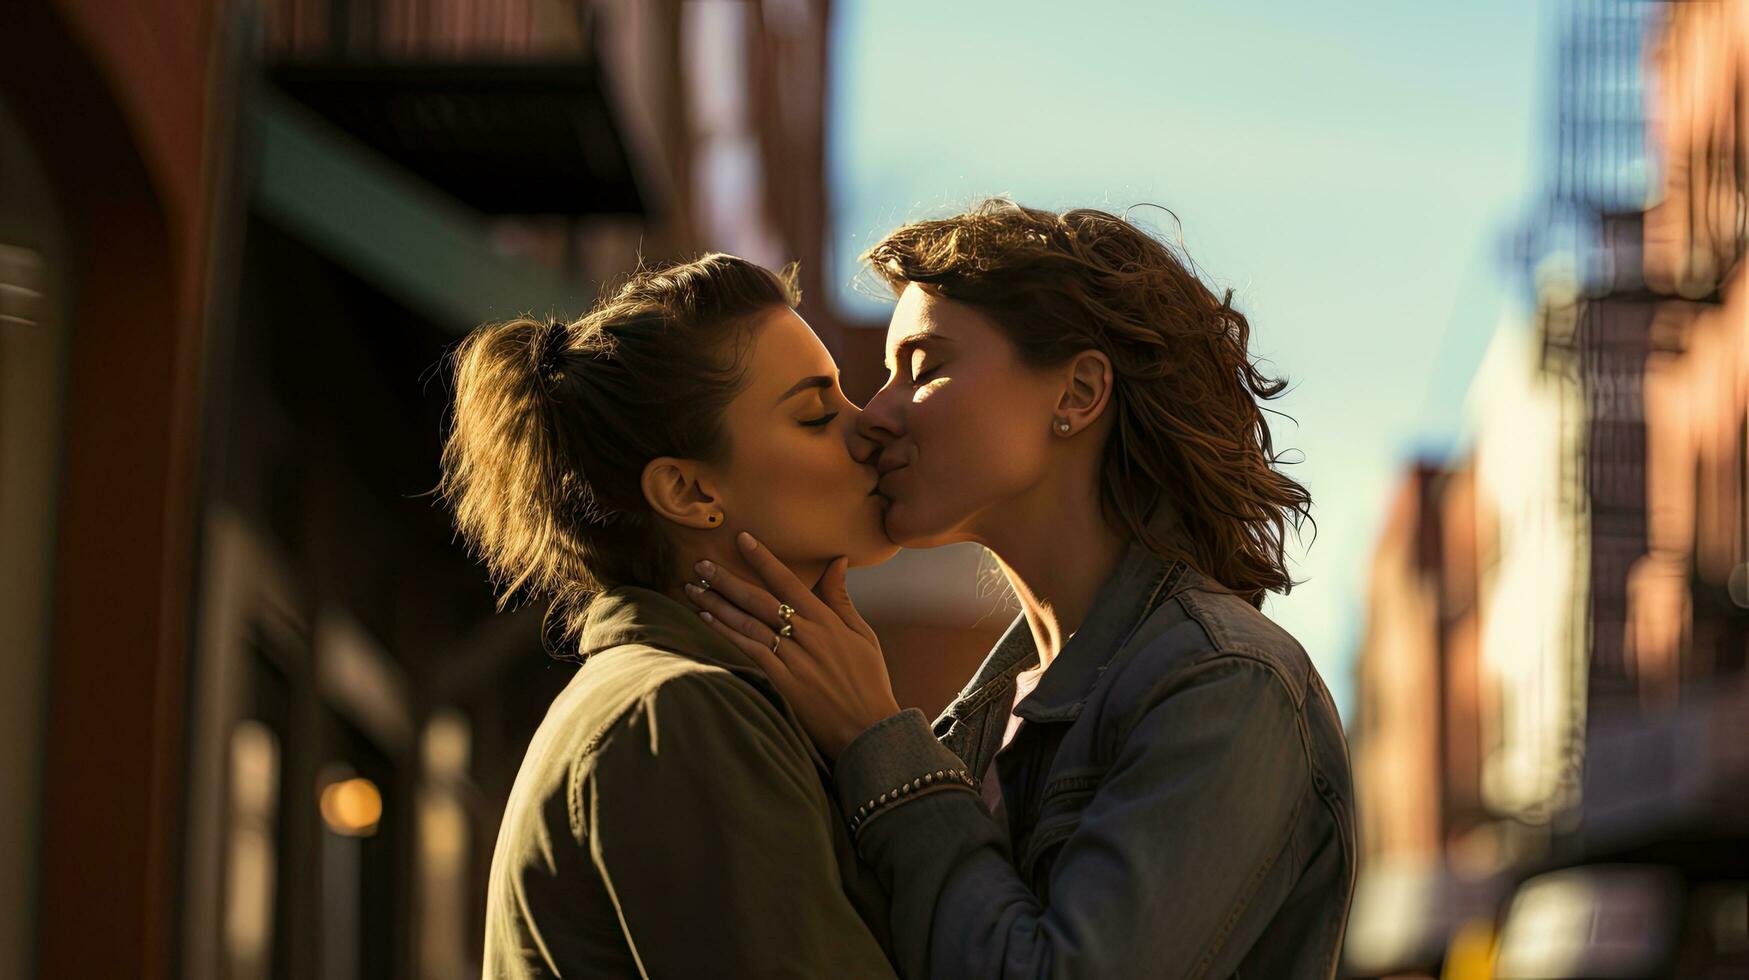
(670, 817)
(1146, 777)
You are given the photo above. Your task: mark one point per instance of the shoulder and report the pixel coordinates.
(1214, 647)
(650, 692)
(639, 734)
(626, 701)
(1198, 626)
(697, 702)
(1235, 628)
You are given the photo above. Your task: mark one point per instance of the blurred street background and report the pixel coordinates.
(258, 716)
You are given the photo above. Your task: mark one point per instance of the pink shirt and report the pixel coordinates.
(991, 787)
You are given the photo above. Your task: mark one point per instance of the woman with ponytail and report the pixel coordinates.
(670, 818)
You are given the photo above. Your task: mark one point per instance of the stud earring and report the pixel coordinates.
(1063, 426)
(713, 518)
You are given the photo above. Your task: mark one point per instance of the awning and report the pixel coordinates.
(513, 137)
(413, 243)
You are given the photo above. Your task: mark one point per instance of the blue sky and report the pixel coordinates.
(1352, 170)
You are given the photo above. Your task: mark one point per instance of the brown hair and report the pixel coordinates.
(1188, 422)
(554, 422)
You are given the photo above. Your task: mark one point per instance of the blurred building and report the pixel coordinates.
(1669, 711)
(107, 146)
(1607, 484)
(259, 712)
(1469, 735)
(1528, 421)
(1417, 742)
(1651, 322)
(1658, 850)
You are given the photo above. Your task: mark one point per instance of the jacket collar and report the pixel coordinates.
(1129, 594)
(631, 614)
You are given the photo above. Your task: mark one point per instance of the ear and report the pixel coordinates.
(680, 491)
(1087, 384)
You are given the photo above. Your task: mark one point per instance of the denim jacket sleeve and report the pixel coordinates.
(1167, 866)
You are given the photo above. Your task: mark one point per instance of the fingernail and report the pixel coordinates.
(706, 568)
(747, 541)
(704, 615)
(693, 589)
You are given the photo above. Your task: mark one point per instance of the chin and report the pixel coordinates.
(872, 546)
(907, 532)
(873, 556)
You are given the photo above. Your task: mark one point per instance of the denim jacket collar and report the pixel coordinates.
(1129, 594)
(1013, 653)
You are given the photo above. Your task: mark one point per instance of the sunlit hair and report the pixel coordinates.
(1189, 428)
(553, 423)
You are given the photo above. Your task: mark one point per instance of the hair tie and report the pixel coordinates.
(549, 360)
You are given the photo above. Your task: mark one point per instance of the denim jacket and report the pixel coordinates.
(1177, 800)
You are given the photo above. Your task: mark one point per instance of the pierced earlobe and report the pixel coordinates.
(713, 518)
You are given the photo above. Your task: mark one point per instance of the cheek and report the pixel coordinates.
(975, 440)
(790, 476)
(806, 499)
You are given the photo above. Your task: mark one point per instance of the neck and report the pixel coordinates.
(1057, 550)
(718, 546)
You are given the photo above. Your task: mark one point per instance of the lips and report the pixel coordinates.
(885, 476)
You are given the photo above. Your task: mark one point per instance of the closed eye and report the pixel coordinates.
(822, 420)
(924, 376)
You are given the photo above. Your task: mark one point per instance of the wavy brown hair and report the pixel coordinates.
(554, 421)
(1190, 430)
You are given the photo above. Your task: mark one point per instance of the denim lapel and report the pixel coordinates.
(1127, 597)
(1122, 603)
(965, 727)
(1012, 654)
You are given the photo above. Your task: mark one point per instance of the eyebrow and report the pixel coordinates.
(917, 339)
(816, 381)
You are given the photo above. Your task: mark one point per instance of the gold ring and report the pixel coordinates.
(789, 630)
(785, 611)
(775, 641)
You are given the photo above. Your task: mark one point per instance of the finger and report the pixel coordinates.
(834, 591)
(761, 654)
(731, 616)
(751, 598)
(778, 578)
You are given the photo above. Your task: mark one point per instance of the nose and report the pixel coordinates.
(878, 425)
(861, 448)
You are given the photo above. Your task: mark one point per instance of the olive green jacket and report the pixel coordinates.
(671, 819)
